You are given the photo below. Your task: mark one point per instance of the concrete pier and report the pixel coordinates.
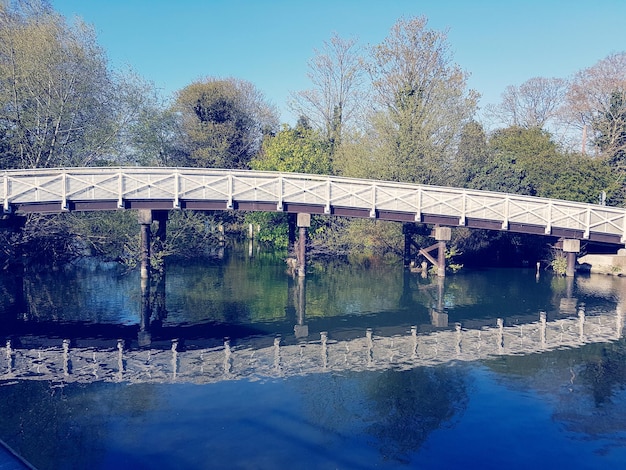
(571, 247)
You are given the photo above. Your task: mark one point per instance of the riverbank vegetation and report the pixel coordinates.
(400, 110)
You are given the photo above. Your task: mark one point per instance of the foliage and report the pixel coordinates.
(595, 101)
(190, 235)
(470, 155)
(223, 122)
(336, 99)
(559, 264)
(527, 161)
(422, 103)
(273, 228)
(373, 239)
(154, 137)
(297, 150)
(59, 103)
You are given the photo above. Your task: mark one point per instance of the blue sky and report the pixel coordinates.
(269, 42)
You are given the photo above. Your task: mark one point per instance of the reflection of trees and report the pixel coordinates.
(50, 424)
(406, 406)
(585, 385)
(605, 372)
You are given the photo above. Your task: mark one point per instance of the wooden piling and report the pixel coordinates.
(304, 222)
(145, 220)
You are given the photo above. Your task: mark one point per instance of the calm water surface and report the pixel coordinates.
(235, 364)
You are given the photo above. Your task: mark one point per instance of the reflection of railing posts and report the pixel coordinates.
(10, 357)
(301, 330)
(581, 323)
(619, 323)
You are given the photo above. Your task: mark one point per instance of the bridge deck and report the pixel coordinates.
(89, 189)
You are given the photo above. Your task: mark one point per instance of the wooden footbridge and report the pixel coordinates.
(158, 189)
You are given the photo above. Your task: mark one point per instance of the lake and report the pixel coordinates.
(233, 363)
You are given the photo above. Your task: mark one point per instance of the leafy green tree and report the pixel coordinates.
(154, 137)
(517, 156)
(470, 155)
(223, 122)
(296, 150)
(527, 161)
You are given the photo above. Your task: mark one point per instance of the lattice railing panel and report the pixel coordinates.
(32, 187)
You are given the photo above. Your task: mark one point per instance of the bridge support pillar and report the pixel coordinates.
(442, 235)
(145, 220)
(291, 227)
(408, 240)
(304, 222)
(570, 248)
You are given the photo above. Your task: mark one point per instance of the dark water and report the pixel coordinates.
(235, 364)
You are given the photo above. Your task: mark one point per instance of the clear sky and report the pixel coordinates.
(269, 42)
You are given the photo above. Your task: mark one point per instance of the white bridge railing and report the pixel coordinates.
(82, 189)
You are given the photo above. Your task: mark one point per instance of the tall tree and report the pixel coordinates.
(338, 76)
(59, 103)
(528, 161)
(223, 122)
(471, 154)
(535, 103)
(422, 102)
(596, 103)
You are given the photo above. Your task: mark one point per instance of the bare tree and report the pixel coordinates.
(337, 75)
(596, 104)
(535, 103)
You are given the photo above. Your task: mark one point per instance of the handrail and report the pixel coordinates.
(102, 188)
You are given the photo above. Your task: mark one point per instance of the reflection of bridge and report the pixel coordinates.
(267, 357)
